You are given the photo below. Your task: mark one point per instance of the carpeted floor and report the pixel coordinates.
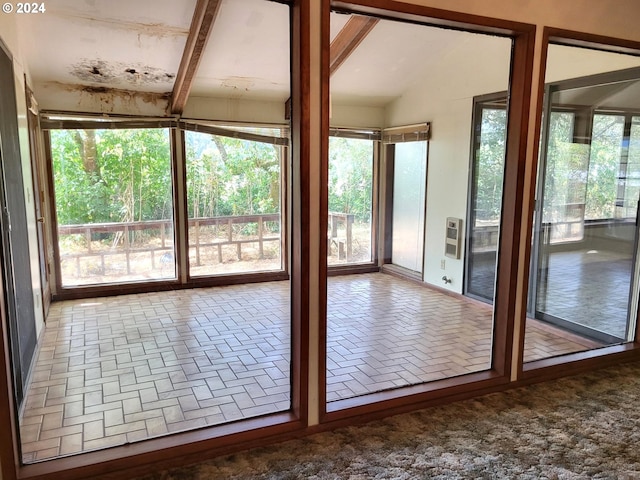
(581, 427)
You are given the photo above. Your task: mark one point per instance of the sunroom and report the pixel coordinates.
(171, 201)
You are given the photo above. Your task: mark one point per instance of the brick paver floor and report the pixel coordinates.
(121, 369)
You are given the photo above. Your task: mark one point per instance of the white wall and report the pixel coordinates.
(235, 110)
(475, 65)
(356, 116)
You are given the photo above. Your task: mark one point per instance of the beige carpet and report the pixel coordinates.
(582, 427)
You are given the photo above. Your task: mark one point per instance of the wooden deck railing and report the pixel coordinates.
(122, 241)
(344, 244)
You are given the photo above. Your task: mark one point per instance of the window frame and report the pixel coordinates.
(559, 366)
(523, 36)
(372, 265)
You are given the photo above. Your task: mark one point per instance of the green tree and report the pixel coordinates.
(111, 175)
(350, 177)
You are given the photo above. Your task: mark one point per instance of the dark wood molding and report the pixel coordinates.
(164, 285)
(348, 39)
(141, 458)
(53, 230)
(354, 269)
(419, 14)
(574, 363)
(538, 90)
(510, 263)
(202, 22)
(589, 40)
(300, 201)
(325, 73)
(405, 399)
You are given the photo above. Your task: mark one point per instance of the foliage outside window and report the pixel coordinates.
(631, 180)
(114, 204)
(350, 199)
(604, 165)
(490, 167)
(111, 175)
(233, 201)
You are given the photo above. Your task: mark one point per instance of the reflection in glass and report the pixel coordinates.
(395, 327)
(586, 242)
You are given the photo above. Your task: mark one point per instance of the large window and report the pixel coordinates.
(234, 197)
(114, 205)
(350, 200)
(392, 325)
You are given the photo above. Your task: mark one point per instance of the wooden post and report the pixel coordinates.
(260, 235)
(197, 236)
(87, 236)
(349, 236)
(126, 247)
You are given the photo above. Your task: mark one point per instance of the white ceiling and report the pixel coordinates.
(137, 45)
(124, 44)
(392, 58)
(247, 55)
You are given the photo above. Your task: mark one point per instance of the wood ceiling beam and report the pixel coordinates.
(204, 16)
(348, 39)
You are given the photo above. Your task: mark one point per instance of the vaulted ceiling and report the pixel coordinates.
(232, 49)
(235, 48)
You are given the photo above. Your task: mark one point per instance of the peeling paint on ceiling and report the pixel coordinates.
(120, 73)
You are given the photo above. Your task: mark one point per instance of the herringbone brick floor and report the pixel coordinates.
(120, 369)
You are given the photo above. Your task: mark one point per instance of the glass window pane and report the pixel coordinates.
(584, 286)
(566, 181)
(409, 192)
(604, 166)
(396, 327)
(114, 205)
(233, 201)
(486, 201)
(350, 200)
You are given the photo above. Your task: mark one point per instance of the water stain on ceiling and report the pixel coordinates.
(120, 73)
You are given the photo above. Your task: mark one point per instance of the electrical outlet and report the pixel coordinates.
(442, 264)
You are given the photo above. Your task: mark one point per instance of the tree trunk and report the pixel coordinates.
(221, 149)
(88, 150)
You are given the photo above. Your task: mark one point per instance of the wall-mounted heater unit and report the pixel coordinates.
(452, 240)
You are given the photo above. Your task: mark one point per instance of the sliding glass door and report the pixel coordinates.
(586, 238)
(485, 199)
